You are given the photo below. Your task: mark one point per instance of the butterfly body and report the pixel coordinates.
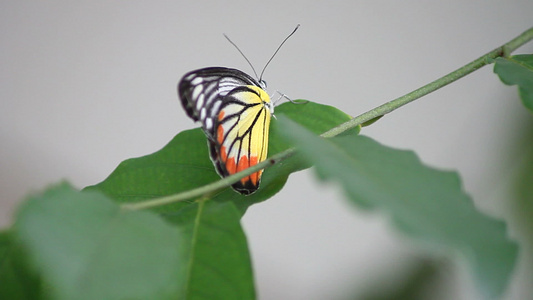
(234, 111)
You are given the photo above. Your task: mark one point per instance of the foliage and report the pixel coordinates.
(69, 244)
(518, 70)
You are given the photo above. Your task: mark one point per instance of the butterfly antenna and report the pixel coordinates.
(234, 45)
(279, 47)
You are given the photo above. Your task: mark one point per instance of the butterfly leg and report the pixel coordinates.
(282, 95)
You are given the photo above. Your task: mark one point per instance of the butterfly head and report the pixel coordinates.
(263, 84)
(266, 98)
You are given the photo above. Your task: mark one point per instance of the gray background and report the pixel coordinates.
(87, 84)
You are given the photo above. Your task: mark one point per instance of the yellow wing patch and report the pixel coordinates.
(242, 133)
(234, 111)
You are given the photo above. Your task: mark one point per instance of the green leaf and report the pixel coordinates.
(17, 281)
(184, 163)
(412, 283)
(215, 249)
(85, 247)
(518, 170)
(517, 70)
(426, 204)
(207, 228)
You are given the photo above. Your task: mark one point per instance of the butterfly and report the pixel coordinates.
(234, 111)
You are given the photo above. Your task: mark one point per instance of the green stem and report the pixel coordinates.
(212, 187)
(386, 108)
(502, 51)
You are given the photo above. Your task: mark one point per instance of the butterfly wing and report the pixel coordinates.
(235, 115)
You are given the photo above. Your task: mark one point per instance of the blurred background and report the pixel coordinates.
(87, 84)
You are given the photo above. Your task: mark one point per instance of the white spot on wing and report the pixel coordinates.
(202, 113)
(209, 123)
(200, 102)
(197, 91)
(216, 107)
(225, 85)
(197, 80)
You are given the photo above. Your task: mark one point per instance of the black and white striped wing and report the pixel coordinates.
(202, 92)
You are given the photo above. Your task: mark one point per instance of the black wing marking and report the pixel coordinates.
(202, 92)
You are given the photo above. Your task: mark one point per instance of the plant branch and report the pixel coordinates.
(211, 187)
(502, 51)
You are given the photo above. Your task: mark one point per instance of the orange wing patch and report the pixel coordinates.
(243, 164)
(220, 134)
(241, 136)
(231, 167)
(255, 176)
